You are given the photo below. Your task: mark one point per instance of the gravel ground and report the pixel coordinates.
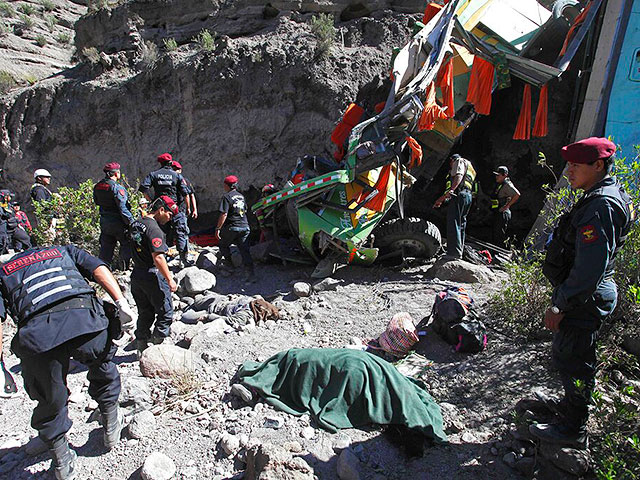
(193, 416)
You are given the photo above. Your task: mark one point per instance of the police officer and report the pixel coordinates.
(40, 189)
(580, 266)
(115, 214)
(192, 209)
(22, 235)
(504, 195)
(151, 280)
(165, 181)
(58, 317)
(187, 207)
(460, 185)
(233, 217)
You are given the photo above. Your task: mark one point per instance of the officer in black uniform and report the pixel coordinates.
(165, 181)
(151, 280)
(58, 317)
(187, 206)
(40, 189)
(233, 217)
(115, 215)
(580, 266)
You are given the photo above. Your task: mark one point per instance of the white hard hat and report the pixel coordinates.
(41, 172)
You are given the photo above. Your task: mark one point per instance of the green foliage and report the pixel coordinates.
(205, 41)
(7, 10)
(150, 55)
(95, 5)
(91, 55)
(64, 38)
(7, 82)
(30, 78)
(27, 9)
(51, 22)
(324, 31)
(170, 44)
(4, 28)
(41, 40)
(27, 22)
(48, 5)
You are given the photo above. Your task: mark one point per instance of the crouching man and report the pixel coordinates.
(59, 317)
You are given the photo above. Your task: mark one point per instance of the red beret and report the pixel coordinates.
(170, 204)
(231, 180)
(165, 158)
(108, 167)
(176, 164)
(588, 150)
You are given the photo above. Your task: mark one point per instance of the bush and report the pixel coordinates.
(7, 10)
(51, 22)
(48, 5)
(205, 41)
(41, 40)
(324, 31)
(30, 78)
(27, 9)
(64, 38)
(95, 5)
(4, 28)
(170, 44)
(7, 82)
(150, 56)
(27, 22)
(91, 55)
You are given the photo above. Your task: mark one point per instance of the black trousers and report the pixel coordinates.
(177, 231)
(151, 293)
(500, 223)
(240, 238)
(457, 222)
(110, 234)
(20, 240)
(45, 380)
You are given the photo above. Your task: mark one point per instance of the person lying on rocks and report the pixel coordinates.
(237, 312)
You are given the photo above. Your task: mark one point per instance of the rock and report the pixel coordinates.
(142, 425)
(341, 442)
(308, 433)
(348, 466)
(494, 451)
(165, 361)
(230, 444)
(307, 328)
(158, 466)
(468, 437)
(302, 289)
(207, 261)
(570, 460)
(273, 421)
(241, 392)
(35, 446)
(453, 421)
(459, 271)
(268, 462)
(135, 391)
(510, 459)
(211, 356)
(631, 343)
(196, 281)
(326, 284)
(526, 465)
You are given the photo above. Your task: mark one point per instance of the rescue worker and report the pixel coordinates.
(233, 217)
(187, 208)
(40, 189)
(5, 217)
(58, 317)
(115, 215)
(580, 266)
(460, 185)
(23, 220)
(21, 237)
(151, 280)
(165, 181)
(504, 196)
(193, 212)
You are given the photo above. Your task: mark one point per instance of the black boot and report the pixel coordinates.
(184, 258)
(63, 459)
(112, 424)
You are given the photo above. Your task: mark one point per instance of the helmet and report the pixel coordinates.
(41, 172)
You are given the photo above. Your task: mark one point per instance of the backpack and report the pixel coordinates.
(455, 322)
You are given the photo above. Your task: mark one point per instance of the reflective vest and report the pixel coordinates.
(37, 279)
(468, 181)
(495, 200)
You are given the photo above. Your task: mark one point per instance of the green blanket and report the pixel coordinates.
(343, 388)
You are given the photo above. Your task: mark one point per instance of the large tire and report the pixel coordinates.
(415, 236)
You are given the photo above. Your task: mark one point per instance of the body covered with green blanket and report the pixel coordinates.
(343, 388)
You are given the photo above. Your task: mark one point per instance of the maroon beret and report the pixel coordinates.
(588, 150)
(165, 158)
(231, 180)
(108, 167)
(177, 165)
(169, 204)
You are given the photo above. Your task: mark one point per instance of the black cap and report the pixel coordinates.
(502, 170)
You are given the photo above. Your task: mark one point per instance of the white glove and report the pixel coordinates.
(128, 319)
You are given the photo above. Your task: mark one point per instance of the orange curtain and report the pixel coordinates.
(349, 120)
(445, 82)
(480, 85)
(576, 23)
(540, 127)
(430, 12)
(416, 152)
(382, 185)
(431, 111)
(523, 128)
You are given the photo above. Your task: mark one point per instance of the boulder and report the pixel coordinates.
(459, 271)
(196, 281)
(165, 361)
(348, 465)
(142, 425)
(135, 391)
(229, 444)
(158, 466)
(453, 421)
(570, 460)
(326, 284)
(270, 462)
(302, 289)
(207, 261)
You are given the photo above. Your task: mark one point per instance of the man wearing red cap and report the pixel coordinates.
(166, 181)
(233, 217)
(115, 215)
(151, 280)
(580, 266)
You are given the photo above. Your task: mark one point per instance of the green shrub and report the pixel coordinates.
(64, 38)
(150, 56)
(7, 82)
(7, 10)
(205, 41)
(27, 22)
(51, 22)
(41, 40)
(4, 28)
(95, 5)
(170, 44)
(48, 5)
(30, 78)
(91, 55)
(27, 9)
(324, 31)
